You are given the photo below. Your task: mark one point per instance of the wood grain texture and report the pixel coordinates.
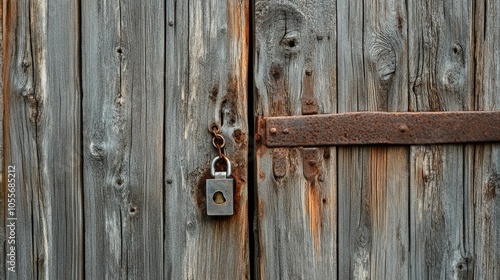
(206, 82)
(372, 181)
(441, 78)
(3, 204)
(41, 95)
(487, 157)
(296, 217)
(123, 105)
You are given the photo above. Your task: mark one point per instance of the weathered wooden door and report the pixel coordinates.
(377, 212)
(106, 108)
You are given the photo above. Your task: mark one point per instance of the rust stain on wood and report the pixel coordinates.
(280, 156)
(199, 191)
(238, 30)
(378, 180)
(260, 125)
(314, 205)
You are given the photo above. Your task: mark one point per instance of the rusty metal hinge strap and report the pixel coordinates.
(364, 128)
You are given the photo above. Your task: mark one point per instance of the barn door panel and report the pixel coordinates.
(41, 101)
(295, 56)
(123, 106)
(206, 83)
(398, 211)
(373, 181)
(441, 71)
(486, 180)
(156, 76)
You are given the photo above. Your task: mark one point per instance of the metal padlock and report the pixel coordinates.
(220, 191)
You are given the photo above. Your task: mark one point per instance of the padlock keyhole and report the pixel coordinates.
(219, 198)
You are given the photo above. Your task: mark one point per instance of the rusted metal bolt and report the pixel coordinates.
(273, 130)
(309, 71)
(312, 162)
(258, 137)
(286, 131)
(403, 128)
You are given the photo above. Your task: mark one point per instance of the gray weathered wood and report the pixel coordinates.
(3, 252)
(105, 114)
(441, 79)
(295, 216)
(123, 57)
(206, 82)
(487, 157)
(372, 181)
(43, 136)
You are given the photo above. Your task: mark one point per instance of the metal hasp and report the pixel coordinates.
(365, 128)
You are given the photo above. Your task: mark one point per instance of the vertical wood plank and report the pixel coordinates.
(487, 157)
(373, 185)
(206, 82)
(41, 95)
(3, 252)
(296, 217)
(18, 128)
(123, 106)
(441, 71)
(3, 206)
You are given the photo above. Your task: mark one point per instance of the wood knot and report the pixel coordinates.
(276, 71)
(238, 136)
(453, 79)
(383, 55)
(97, 151)
(492, 186)
(290, 42)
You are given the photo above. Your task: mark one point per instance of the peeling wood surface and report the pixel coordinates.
(296, 227)
(42, 134)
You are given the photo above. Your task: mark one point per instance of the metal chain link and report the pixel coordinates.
(218, 141)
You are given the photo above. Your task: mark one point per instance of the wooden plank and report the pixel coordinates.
(372, 181)
(296, 217)
(3, 205)
(487, 157)
(19, 131)
(123, 106)
(206, 82)
(441, 79)
(41, 95)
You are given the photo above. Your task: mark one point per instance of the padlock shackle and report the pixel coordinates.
(228, 165)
